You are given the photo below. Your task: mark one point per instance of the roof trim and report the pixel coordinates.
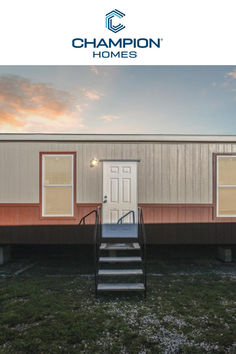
(118, 137)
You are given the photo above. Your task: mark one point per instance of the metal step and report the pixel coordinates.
(119, 259)
(121, 287)
(120, 272)
(119, 231)
(120, 246)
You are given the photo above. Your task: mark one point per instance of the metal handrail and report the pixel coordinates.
(142, 236)
(85, 216)
(122, 217)
(96, 242)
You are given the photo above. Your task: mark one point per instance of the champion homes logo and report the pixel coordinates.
(107, 48)
(110, 25)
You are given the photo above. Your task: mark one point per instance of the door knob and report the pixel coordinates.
(105, 199)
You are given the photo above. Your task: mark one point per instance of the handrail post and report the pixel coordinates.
(143, 247)
(96, 240)
(96, 247)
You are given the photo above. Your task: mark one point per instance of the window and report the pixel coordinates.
(57, 184)
(226, 186)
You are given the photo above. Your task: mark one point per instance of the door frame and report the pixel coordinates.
(120, 160)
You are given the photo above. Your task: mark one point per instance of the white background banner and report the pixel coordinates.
(191, 32)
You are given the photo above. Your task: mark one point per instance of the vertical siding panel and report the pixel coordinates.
(213, 148)
(165, 173)
(149, 191)
(134, 151)
(110, 151)
(97, 177)
(189, 176)
(78, 149)
(173, 173)
(119, 151)
(204, 170)
(196, 170)
(84, 172)
(227, 148)
(220, 148)
(88, 188)
(124, 151)
(233, 147)
(128, 151)
(181, 173)
(141, 177)
(157, 168)
(146, 163)
(144, 175)
(19, 173)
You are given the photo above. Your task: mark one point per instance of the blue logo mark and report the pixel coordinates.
(109, 17)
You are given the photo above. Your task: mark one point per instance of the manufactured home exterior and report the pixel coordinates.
(185, 184)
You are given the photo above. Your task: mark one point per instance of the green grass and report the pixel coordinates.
(53, 314)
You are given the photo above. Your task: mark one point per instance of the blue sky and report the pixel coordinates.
(118, 99)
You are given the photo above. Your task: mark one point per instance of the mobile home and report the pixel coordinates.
(185, 185)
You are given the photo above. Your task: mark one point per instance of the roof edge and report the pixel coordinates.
(117, 137)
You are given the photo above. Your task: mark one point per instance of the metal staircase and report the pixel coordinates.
(119, 261)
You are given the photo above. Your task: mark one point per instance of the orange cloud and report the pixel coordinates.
(94, 69)
(92, 95)
(24, 103)
(232, 74)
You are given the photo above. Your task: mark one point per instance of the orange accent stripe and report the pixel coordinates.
(29, 214)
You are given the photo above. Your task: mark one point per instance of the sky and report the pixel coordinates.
(118, 99)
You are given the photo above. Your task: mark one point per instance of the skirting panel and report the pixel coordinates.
(200, 233)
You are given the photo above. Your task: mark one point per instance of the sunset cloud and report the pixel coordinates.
(24, 103)
(109, 117)
(94, 69)
(232, 74)
(92, 95)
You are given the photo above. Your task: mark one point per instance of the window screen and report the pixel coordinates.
(226, 186)
(57, 185)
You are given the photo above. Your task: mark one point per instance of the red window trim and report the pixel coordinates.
(40, 185)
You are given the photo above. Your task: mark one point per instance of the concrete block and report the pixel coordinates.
(5, 254)
(224, 254)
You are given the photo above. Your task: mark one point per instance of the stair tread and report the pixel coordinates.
(120, 272)
(119, 246)
(120, 286)
(119, 230)
(120, 259)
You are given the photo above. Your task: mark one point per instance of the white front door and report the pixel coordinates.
(119, 191)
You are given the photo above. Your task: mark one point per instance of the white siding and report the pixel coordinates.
(167, 173)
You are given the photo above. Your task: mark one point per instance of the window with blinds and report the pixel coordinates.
(57, 185)
(226, 186)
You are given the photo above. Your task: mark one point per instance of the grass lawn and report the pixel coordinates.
(59, 314)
